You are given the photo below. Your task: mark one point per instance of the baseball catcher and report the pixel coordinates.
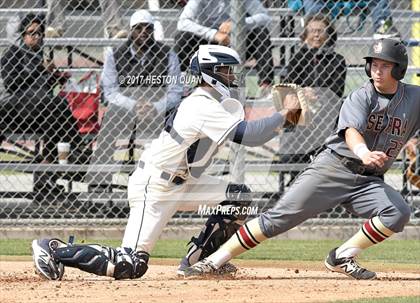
(169, 176)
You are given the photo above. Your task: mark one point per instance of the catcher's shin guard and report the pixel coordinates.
(91, 258)
(120, 263)
(220, 226)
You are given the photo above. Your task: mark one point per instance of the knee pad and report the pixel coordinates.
(239, 193)
(240, 197)
(130, 264)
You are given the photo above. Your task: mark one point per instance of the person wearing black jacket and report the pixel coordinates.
(28, 103)
(316, 64)
(322, 72)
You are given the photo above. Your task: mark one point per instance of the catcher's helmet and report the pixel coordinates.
(208, 59)
(388, 50)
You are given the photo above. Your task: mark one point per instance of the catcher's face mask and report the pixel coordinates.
(217, 66)
(232, 75)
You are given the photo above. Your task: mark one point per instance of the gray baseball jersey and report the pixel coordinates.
(386, 126)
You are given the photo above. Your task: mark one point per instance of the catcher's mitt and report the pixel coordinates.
(292, 97)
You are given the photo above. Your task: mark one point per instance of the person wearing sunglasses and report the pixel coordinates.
(322, 71)
(29, 103)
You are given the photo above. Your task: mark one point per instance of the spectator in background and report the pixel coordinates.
(113, 23)
(379, 9)
(315, 63)
(29, 103)
(135, 87)
(130, 68)
(208, 22)
(322, 72)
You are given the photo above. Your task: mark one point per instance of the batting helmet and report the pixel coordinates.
(206, 61)
(388, 50)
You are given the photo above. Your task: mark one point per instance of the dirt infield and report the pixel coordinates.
(257, 281)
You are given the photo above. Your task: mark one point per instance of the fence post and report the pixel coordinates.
(415, 32)
(238, 42)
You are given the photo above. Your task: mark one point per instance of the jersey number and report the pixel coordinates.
(394, 149)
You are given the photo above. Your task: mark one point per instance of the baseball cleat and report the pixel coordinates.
(45, 264)
(201, 268)
(183, 266)
(347, 266)
(225, 269)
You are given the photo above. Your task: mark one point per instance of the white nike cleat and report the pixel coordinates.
(45, 264)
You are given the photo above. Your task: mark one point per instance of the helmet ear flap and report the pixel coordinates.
(397, 72)
(368, 66)
(195, 67)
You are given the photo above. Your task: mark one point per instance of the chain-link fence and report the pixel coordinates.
(86, 86)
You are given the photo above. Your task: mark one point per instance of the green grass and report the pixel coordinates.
(398, 251)
(9, 157)
(384, 300)
(393, 251)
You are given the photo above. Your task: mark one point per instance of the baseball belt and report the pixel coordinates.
(356, 166)
(166, 176)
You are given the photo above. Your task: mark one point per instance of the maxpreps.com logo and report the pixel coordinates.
(377, 48)
(228, 210)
